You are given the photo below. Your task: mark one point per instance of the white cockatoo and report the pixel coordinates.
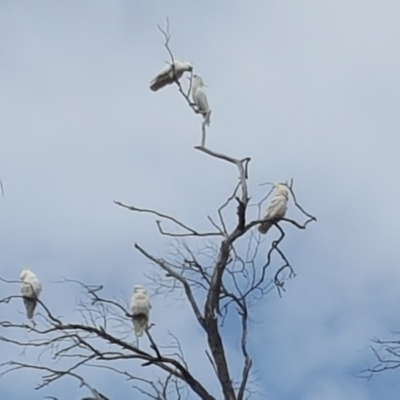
(140, 308)
(276, 209)
(166, 75)
(30, 289)
(200, 98)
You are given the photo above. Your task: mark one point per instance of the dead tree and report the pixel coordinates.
(222, 273)
(387, 357)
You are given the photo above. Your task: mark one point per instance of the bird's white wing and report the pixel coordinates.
(166, 75)
(163, 78)
(276, 210)
(30, 289)
(140, 308)
(277, 207)
(31, 286)
(200, 99)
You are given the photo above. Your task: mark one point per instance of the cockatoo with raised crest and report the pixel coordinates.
(199, 98)
(30, 289)
(167, 76)
(276, 209)
(140, 309)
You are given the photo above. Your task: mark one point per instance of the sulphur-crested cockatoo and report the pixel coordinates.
(276, 209)
(200, 98)
(30, 289)
(166, 76)
(140, 308)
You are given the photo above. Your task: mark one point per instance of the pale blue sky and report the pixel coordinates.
(308, 89)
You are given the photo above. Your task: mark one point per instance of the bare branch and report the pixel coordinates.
(247, 360)
(53, 375)
(167, 37)
(172, 273)
(290, 187)
(191, 232)
(241, 165)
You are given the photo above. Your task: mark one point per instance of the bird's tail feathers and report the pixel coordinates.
(140, 322)
(207, 117)
(30, 305)
(160, 81)
(264, 227)
(157, 84)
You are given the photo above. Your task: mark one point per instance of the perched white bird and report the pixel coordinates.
(30, 289)
(200, 98)
(276, 209)
(166, 75)
(140, 308)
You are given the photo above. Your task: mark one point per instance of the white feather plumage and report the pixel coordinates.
(30, 289)
(166, 75)
(140, 309)
(276, 209)
(200, 98)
